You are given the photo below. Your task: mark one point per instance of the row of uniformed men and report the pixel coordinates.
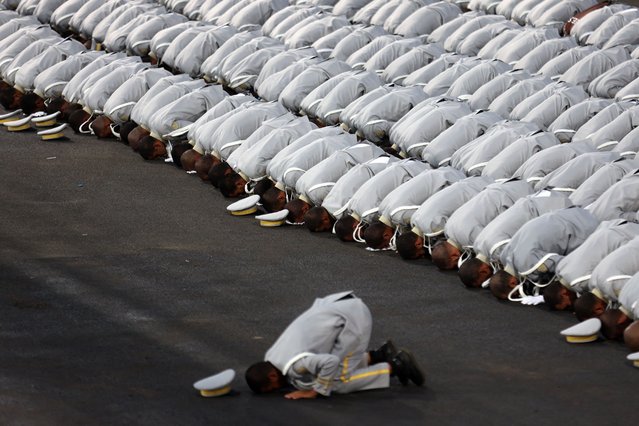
(298, 168)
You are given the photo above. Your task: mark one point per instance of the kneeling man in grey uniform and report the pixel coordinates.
(324, 350)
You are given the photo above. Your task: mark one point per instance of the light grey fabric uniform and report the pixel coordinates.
(116, 38)
(325, 45)
(397, 208)
(626, 35)
(108, 31)
(240, 46)
(336, 201)
(311, 102)
(307, 80)
(620, 201)
(401, 12)
(427, 18)
(630, 91)
(307, 34)
(601, 180)
(505, 103)
(256, 13)
(161, 41)
(277, 18)
(440, 84)
(574, 270)
(12, 45)
(366, 13)
(611, 26)
(569, 121)
(572, 174)
(523, 43)
(422, 124)
(612, 273)
(280, 62)
(138, 42)
(387, 54)
(532, 101)
(411, 61)
(279, 130)
(374, 120)
(273, 86)
(556, 12)
(45, 9)
(244, 74)
(443, 32)
(164, 92)
(24, 78)
(439, 151)
(488, 92)
(242, 122)
(467, 221)
(384, 12)
(364, 204)
(298, 16)
(348, 115)
(430, 218)
(268, 157)
(545, 161)
(325, 348)
(540, 244)
(62, 15)
(601, 119)
(504, 164)
(472, 80)
(608, 136)
(466, 30)
(423, 75)
(491, 36)
(178, 41)
(9, 69)
(120, 104)
(598, 62)
(557, 66)
(344, 93)
(51, 82)
(585, 25)
(348, 8)
(355, 40)
(629, 297)
(493, 238)
(73, 90)
(288, 172)
(79, 17)
(358, 58)
(628, 146)
(315, 184)
(12, 27)
(609, 83)
(540, 55)
(223, 107)
(191, 57)
(95, 96)
(472, 157)
(549, 109)
(185, 110)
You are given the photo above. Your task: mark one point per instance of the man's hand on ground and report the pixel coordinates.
(301, 394)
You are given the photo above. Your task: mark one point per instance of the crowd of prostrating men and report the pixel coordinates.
(493, 137)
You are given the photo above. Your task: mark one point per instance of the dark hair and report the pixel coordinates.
(146, 147)
(553, 294)
(219, 171)
(55, 105)
(314, 219)
(273, 199)
(232, 185)
(586, 306)
(31, 103)
(203, 166)
(101, 127)
(257, 376)
(500, 285)
(297, 208)
(471, 272)
(262, 186)
(6, 98)
(344, 228)
(631, 336)
(375, 235)
(405, 245)
(67, 109)
(77, 118)
(177, 151)
(442, 255)
(613, 324)
(125, 129)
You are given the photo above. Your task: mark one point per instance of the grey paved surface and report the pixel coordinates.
(123, 281)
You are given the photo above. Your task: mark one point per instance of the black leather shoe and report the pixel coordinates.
(384, 353)
(405, 367)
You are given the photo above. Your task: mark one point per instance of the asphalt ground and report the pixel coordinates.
(124, 281)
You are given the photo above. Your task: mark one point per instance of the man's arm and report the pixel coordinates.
(323, 367)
